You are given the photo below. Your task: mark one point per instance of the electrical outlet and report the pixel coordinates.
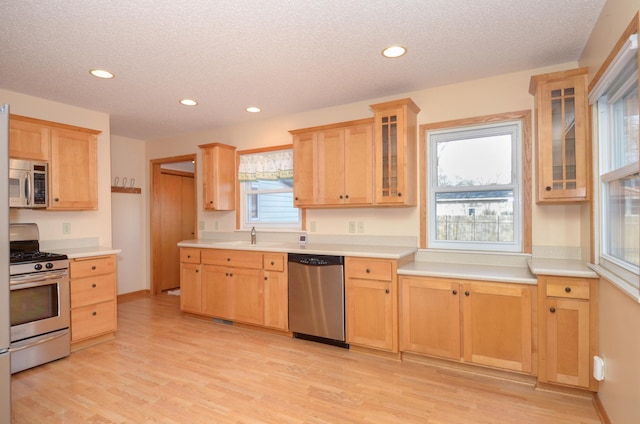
(352, 226)
(66, 228)
(360, 227)
(201, 225)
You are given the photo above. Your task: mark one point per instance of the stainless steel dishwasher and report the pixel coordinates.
(316, 298)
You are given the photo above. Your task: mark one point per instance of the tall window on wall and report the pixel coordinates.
(266, 190)
(615, 100)
(474, 184)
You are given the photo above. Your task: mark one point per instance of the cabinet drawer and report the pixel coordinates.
(88, 290)
(274, 262)
(370, 269)
(235, 258)
(574, 288)
(93, 320)
(190, 255)
(86, 267)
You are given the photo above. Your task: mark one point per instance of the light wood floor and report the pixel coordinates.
(166, 368)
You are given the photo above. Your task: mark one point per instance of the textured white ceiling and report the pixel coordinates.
(285, 56)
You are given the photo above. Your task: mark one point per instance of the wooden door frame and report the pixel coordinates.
(154, 232)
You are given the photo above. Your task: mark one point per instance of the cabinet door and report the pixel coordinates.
(430, 320)
(497, 325)
(331, 163)
(276, 309)
(371, 314)
(562, 140)
(567, 341)
(219, 177)
(358, 165)
(28, 140)
(304, 169)
(248, 295)
(190, 287)
(216, 291)
(73, 176)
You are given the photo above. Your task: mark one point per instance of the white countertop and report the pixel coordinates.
(561, 267)
(85, 252)
(500, 274)
(367, 251)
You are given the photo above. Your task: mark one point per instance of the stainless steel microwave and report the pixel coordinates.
(27, 184)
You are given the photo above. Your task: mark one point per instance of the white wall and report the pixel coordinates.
(129, 220)
(619, 314)
(94, 225)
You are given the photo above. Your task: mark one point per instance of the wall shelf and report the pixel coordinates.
(130, 190)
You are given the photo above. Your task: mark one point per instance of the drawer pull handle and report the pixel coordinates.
(272, 263)
(548, 188)
(266, 278)
(228, 259)
(93, 267)
(197, 270)
(230, 274)
(94, 285)
(188, 256)
(455, 292)
(466, 293)
(387, 291)
(368, 271)
(552, 310)
(567, 289)
(94, 313)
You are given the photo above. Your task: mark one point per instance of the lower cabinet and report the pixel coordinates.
(568, 331)
(371, 299)
(473, 321)
(93, 298)
(242, 286)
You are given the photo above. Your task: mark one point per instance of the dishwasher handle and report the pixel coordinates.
(315, 260)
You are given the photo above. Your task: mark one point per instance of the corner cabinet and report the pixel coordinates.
(395, 135)
(562, 136)
(218, 177)
(93, 299)
(568, 330)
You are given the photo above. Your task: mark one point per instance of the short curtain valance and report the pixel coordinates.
(276, 165)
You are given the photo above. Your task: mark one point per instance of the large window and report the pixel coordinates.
(615, 97)
(474, 183)
(266, 190)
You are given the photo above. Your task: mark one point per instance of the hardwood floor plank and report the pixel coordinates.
(164, 367)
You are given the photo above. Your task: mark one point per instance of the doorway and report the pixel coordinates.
(173, 217)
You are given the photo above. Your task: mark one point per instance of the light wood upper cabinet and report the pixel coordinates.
(218, 177)
(562, 136)
(73, 170)
(333, 165)
(395, 126)
(568, 335)
(28, 140)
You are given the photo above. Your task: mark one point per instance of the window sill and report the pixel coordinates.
(626, 287)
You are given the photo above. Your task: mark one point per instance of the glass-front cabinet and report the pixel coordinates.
(562, 141)
(395, 136)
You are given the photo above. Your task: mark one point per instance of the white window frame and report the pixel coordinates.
(620, 273)
(514, 127)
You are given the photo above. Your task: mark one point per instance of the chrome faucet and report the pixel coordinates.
(253, 235)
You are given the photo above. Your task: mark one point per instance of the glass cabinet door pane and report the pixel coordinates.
(389, 155)
(563, 145)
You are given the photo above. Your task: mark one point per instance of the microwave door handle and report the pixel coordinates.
(27, 188)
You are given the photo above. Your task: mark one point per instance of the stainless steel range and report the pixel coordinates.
(39, 300)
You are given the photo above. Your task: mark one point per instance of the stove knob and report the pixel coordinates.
(49, 265)
(38, 267)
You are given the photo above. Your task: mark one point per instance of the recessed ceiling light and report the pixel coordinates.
(253, 109)
(188, 102)
(101, 73)
(394, 51)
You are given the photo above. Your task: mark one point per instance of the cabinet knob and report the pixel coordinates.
(341, 196)
(228, 259)
(387, 291)
(94, 285)
(197, 270)
(94, 313)
(455, 292)
(296, 198)
(226, 274)
(56, 200)
(231, 274)
(466, 293)
(552, 310)
(272, 263)
(368, 271)
(188, 256)
(548, 188)
(93, 268)
(399, 194)
(346, 196)
(266, 278)
(567, 289)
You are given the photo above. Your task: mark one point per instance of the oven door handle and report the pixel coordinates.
(38, 278)
(39, 342)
